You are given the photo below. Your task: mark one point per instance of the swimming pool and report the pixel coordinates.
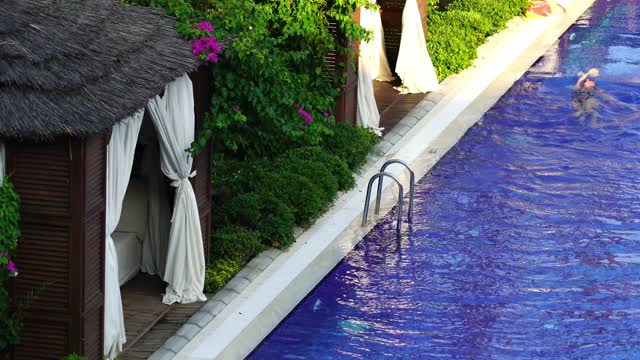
(526, 235)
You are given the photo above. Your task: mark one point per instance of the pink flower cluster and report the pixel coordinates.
(206, 44)
(308, 119)
(11, 266)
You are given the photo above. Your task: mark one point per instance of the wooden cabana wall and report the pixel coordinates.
(61, 252)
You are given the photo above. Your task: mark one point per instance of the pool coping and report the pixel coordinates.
(239, 317)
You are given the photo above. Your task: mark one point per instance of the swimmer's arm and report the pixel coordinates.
(580, 81)
(592, 72)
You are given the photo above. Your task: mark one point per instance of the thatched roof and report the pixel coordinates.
(75, 67)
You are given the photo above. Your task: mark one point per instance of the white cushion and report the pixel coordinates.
(135, 211)
(129, 250)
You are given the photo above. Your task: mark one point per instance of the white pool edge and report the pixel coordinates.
(244, 323)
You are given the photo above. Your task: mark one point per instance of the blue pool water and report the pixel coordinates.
(526, 238)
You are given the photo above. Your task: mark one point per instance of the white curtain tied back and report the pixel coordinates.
(174, 120)
(414, 65)
(120, 151)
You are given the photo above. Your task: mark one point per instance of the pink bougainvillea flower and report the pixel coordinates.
(212, 57)
(235, 109)
(12, 266)
(198, 48)
(205, 26)
(325, 114)
(4, 254)
(301, 127)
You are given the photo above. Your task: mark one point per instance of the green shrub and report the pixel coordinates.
(10, 321)
(218, 274)
(74, 357)
(350, 144)
(336, 166)
(496, 13)
(318, 174)
(301, 195)
(456, 32)
(276, 227)
(454, 37)
(235, 243)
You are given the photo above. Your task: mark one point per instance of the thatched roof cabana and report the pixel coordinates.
(75, 67)
(73, 76)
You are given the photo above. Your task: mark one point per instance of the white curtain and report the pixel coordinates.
(120, 153)
(2, 163)
(174, 119)
(414, 64)
(380, 69)
(367, 110)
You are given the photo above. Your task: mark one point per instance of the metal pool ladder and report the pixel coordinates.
(380, 176)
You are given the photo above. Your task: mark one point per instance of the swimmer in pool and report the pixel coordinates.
(584, 90)
(585, 102)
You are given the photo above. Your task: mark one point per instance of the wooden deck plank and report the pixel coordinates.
(392, 105)
(149, 322)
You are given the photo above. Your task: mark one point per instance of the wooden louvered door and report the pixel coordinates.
(202, 92)
(347, 64)
(392, 25)
(60, 254)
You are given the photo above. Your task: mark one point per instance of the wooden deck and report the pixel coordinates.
(148, 322)
(392, 105)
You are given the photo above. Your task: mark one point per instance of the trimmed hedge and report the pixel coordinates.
(456, 31)
(262, 201)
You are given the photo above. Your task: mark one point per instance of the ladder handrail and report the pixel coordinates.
(412, 181)
(380, 176)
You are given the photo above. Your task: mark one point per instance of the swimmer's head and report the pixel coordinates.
(589, 84)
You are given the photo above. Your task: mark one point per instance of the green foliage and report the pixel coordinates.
(351, 144)
(218, 274)
(273, 61)
(74, 357)
(454, 37)
(270, 197)
(496, 13)
(10, 320)
(235, 243)
(456, 32)
(336, 165)
(9, 217)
